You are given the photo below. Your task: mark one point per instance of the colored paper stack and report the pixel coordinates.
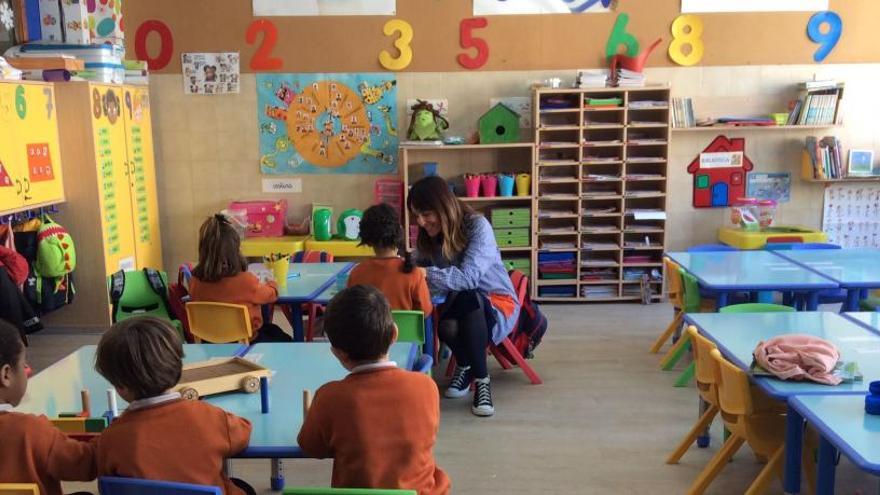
(557, 266)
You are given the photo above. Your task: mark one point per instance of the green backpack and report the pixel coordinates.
(56, 254)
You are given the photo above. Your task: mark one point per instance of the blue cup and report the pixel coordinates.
(505, 184)
(341, 281)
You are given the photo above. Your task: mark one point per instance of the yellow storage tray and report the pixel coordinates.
(756, 240)
(256, 247)
(339, 248)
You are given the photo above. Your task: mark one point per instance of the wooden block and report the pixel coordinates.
(70, 425)
(95, 425)
(69, 415)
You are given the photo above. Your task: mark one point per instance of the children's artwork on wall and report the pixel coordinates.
(323, 7)
(775, 186)
(851, 216)
(519, 104)
(719, 172)
(511, 7)
(211, 73)
(327, 123)
(694, 6)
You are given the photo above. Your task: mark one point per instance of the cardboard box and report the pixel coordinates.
(51, 21)
(76, 22)
(105, 21)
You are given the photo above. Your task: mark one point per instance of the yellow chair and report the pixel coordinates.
(19, 489)
(673, 290)
(219, 323)
(751, 417)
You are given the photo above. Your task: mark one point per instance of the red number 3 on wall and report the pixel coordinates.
(468, 41)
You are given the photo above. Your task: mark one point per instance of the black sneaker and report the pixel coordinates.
(460, 384)
(482, 398)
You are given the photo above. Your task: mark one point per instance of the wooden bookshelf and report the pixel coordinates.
(754, 128)
(591, 166)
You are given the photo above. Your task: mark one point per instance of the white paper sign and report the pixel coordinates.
(513, 7)
(851, 215)
(282, 185)
(211, 73)
(725, 159)
(695, 6)
(323, 7)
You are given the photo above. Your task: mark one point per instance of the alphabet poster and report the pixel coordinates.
(323, 7)
(696, 6)
(211, 73)
(512, 7)
(851, 216)
(327, 123)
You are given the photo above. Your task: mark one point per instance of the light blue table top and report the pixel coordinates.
(848, 267)
(870, 320)
(842, 420)
(306, 281)
(749, 270)
(295, 367)
(737, 335)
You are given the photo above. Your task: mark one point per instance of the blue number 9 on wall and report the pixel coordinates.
(827, 40)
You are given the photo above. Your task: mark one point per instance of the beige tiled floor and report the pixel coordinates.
(602, 423)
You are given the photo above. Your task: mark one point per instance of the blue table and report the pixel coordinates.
(871, 320)
(737, 335)
(843, 425)
(728, 272)
(296, 367)
(853, 269)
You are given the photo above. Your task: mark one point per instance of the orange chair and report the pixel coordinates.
(19, 489)
(308, 308)
(219, 323)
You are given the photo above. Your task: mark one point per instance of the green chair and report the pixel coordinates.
(691, 303)
(346, 491)
(411, 328)
(756, 308)
(132, 294)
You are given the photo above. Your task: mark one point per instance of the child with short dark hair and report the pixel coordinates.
(161, 436)
(380, 422)
(32, 450)
(402, 284)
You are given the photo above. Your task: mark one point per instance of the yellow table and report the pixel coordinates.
(339, 248)
(257, 247)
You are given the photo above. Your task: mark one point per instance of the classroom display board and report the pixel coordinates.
(851, 216)
(514, 7)
(692, 6)
(430, 35)
(327, 123)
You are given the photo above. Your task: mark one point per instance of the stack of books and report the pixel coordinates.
(592, 78)
(683, 113)
(630, 79)
(557, 266)
(818, 104)
(826, 157)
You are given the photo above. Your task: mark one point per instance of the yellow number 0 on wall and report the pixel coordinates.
(691, 37)
(401, 43)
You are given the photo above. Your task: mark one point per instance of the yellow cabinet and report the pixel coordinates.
(31, 174)
(112, 208)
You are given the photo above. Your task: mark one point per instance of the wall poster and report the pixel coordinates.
(851, 215)
(323, 7)
(697, 6)
(513, 7)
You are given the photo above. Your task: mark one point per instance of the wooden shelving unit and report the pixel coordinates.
(753, 128)
(593, 167)
(453, 161)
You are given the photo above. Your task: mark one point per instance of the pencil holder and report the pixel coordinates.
(523, 182)
(489, 184)
(279, 270)
(872, 404)
(505, 184)
(472, 186)
(874, 388)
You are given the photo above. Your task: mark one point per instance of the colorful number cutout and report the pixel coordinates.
(402, 44)
(468, 41)
(20, 102)
(619, 36)
(166, 44)
(687, 30)
(827, 40)
(263, 59)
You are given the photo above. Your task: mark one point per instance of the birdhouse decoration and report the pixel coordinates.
(499, 125)
(720, 172)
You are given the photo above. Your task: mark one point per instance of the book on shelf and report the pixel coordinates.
(594, 103)
(683, 113)
(592, 78)
(630, 79)
(599, 210)
(648, 104)
(555, 213)
(825, 157)
(590, 246)
(818, 104)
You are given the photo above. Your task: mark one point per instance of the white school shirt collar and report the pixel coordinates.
(5, 407)
(373, 366)
(153, 401)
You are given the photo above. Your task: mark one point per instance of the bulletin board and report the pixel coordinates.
(166, 28)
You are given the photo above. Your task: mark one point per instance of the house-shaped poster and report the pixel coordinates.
(720, 172)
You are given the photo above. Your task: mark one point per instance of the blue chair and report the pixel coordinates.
(830, 296)
(796, 246)
(109, 485)
(710, 248)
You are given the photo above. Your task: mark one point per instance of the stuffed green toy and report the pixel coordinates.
(426, 122)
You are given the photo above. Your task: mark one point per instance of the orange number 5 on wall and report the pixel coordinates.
(403, 60)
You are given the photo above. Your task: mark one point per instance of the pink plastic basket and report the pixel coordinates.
(264, 218)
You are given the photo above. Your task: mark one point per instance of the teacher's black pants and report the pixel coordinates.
(465, 322)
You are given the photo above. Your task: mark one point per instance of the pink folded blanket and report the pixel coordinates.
(799, 357)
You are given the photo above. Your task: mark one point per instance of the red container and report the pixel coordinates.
(489, 185)
(472, 186)
(264, 218)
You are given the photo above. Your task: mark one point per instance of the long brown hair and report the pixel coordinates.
(432, 194)
(219, 251)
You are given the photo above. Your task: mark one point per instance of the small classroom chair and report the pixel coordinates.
(710, 248)
(109, 485)
(756, 308)
(674, 292)
(311, 309)
(411, 328)
(137, 298)
(346, 491)
(691, 303)
(219, 323)
(19, 489)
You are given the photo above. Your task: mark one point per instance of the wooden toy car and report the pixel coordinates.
(216, 376)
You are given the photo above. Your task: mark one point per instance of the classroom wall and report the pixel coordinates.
(207, 153)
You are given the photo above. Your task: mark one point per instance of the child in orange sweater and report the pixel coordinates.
(161, 436)
(32, 450)
(222, 276)
(380, 422)
(402, 284)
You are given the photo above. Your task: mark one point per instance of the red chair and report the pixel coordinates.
(311, 309)
(505, 352)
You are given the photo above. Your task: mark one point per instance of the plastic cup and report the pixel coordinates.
(279, 270)
(505, 184)
(472, 186)
(489, 184)
(523, 182)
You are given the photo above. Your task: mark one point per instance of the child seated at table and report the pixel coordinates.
(380, 422)
(397, 278)
(162, 436)
(32, 450)
(222, 276)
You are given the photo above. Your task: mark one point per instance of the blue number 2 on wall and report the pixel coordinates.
(828, 40)
(583, 5)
